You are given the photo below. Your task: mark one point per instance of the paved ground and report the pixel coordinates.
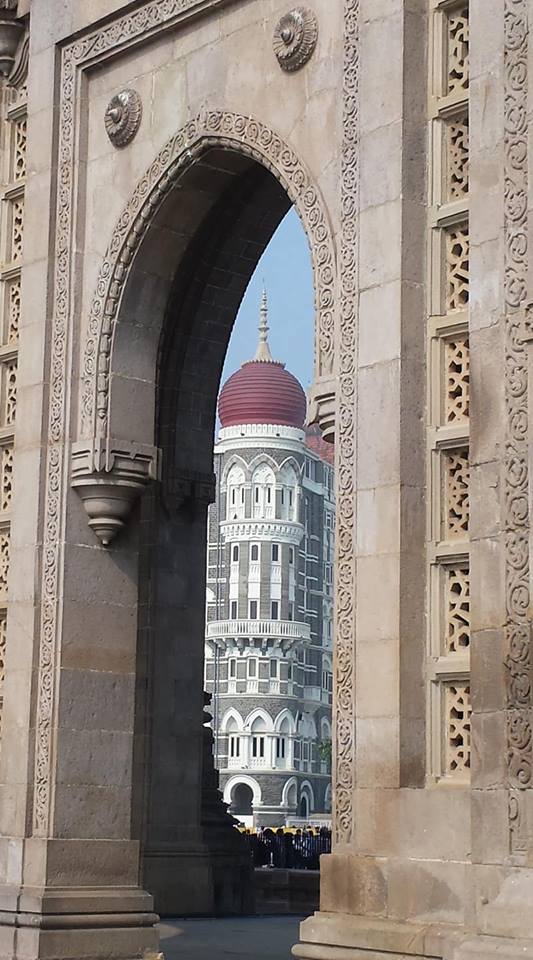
(232, 938)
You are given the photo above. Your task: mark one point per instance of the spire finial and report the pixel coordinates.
(263, 353)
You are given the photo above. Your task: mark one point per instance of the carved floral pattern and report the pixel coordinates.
(295, 38)
(343, 706)
(515, 479)
(123, 117)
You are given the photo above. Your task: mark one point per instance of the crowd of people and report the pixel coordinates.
(288, 847)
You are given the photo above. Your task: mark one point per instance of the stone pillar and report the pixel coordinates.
(424, 864)
(69, 874)
(191, 858)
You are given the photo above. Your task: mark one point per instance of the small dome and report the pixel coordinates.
(262, 391)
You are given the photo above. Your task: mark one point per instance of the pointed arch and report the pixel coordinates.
(285, 715)
(256, 714)
(234, 460)
(232, 715)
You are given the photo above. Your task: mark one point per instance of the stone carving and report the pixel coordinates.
(295, 38)
(344, 706)
(458, 609)
(457, 157)
(123, 117)
(457, 711)
(6, 476)
(457, 502)
(448, 690)
(457, 268)
(11, 31)
(515, 479)
(457, 372)
(248, 136)
(124, 29)
(108, 479)
(19, 72)
(458, 54)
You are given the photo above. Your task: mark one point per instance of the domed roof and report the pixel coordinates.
(262, 391)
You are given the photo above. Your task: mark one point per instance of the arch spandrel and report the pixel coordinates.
(98, 452)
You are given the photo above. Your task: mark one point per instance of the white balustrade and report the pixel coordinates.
(290, 629)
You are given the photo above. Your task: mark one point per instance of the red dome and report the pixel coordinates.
(262, 392)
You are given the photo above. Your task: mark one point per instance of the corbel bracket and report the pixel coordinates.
(108, 476)
(323, 407)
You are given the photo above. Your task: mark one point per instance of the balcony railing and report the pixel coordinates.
(286, 629)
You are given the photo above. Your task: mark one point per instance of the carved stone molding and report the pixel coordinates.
(345, 442)
(295, 38)
(515, 469)
(123, 117)
(11, 31)
(323, 407)
(19, 71)
(108, 478)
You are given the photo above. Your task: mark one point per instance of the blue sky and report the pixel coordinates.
(285, 269)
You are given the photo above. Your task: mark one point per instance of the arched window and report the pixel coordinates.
(263, 492)
(288, 482)
(235, 495)
(258, 740)
(241, 800)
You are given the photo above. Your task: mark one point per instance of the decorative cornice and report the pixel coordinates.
(258, 431)
(282, 530)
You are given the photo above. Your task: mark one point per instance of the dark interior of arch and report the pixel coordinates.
(177, 812)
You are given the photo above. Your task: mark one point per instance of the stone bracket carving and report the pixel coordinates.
(108, 476)
(323, 406)
(11, 31)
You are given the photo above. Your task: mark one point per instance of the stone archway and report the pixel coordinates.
(210, 129)
(166, 298)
